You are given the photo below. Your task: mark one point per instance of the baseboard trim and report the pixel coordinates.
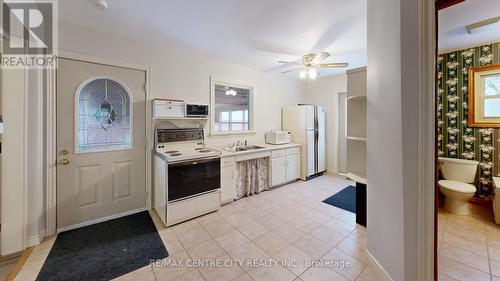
(75, 226)
(33, 241)
(378, 266)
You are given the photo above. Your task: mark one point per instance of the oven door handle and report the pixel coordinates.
(194, 161)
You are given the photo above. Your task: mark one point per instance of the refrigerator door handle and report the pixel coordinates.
(316, 140)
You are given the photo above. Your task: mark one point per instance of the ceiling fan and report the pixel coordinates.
(310, 64)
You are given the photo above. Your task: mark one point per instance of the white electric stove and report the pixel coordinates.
(187, 175)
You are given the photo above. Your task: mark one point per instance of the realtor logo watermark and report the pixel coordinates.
(29, 34)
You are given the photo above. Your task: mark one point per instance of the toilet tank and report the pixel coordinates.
(458, 169)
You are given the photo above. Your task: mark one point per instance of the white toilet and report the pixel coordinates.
(458, 175)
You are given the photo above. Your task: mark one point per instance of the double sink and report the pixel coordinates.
(243, 148)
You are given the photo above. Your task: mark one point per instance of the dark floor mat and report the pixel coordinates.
(105, 250)
(345, 199)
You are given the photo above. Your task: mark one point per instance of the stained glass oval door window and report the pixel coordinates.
(104, 116)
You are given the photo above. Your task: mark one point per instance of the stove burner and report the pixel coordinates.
(175, 154)
(172, 151)
(205, 151)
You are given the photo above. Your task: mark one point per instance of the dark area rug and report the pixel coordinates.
(105, 250)
(345, 199)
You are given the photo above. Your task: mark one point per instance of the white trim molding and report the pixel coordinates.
(427, 140)
(380, 270)
(35, 239)
(51, 134)
(51, 153)
(236, 84)
(14, 161)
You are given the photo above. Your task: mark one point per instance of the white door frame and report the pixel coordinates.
(51, 169)
(425, 51)
(14, 161)
(427, 140)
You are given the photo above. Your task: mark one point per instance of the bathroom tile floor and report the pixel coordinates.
(468, 246)
(288, 228)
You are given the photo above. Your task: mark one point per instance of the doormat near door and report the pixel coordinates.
(105, 250)
(345, 199)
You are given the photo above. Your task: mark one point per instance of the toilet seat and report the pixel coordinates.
(457, 186)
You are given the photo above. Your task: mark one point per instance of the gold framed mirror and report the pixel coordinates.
(484, 96)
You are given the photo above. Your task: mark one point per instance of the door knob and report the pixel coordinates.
(65, 152)
(64, 162)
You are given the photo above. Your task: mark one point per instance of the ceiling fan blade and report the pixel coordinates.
(321, 56)
(293, 69)
(290, 62)
(334, 65)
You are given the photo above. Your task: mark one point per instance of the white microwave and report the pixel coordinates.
(278, 137)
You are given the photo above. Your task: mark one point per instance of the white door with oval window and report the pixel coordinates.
(101, 142)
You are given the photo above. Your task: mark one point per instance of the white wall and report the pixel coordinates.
(181, 74)
(393, 114)
(14, 166)
(324, 92)
(384, 159)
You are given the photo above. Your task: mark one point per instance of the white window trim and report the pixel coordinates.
(237, 84)
(77, 113)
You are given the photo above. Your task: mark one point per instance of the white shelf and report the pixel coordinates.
(357, 177)
(356, 138)
(180, 118)
(357, 97)
(356, 125)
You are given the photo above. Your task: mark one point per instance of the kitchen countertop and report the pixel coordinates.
(267, 147)
(225, 153)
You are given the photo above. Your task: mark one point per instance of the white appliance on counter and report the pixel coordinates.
(186, 175)
(278, 137)
(307, 126)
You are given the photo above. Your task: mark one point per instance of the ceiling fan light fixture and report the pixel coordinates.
(231, 92)
(303, 74)
(313, 73)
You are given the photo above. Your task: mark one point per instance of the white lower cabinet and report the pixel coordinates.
(285, 166)
(292, 167)
(278, 171)
(228, 180)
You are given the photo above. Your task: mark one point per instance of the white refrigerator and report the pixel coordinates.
(307, 126)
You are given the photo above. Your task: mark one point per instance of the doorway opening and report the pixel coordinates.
(467, 238)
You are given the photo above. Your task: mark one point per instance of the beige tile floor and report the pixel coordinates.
(468, 246)
(5, 267)
(288, 228)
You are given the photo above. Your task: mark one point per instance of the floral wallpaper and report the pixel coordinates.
(455, 139)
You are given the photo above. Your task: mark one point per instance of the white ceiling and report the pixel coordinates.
(256, 33)
(452, 22)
